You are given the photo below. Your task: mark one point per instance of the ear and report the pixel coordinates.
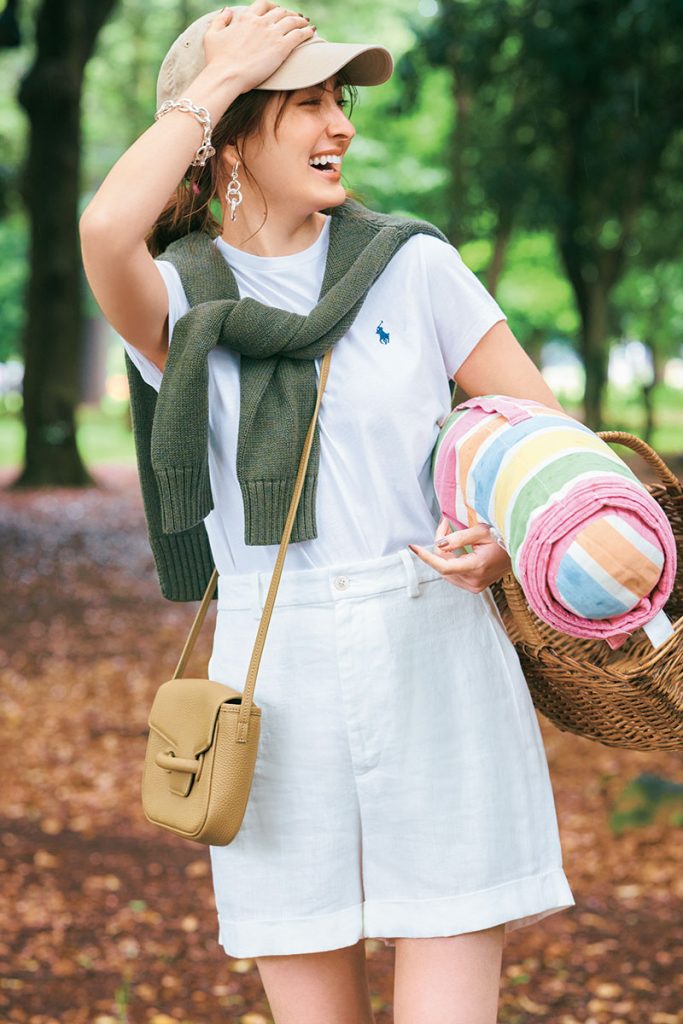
(228, 158)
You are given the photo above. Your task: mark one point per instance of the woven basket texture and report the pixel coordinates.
(631, 697)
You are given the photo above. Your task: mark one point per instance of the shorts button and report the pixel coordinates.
(341, 582)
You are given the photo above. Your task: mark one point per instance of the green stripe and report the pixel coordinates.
(448, 422)
(548, 481)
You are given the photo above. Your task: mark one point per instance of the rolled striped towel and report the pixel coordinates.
(592, 550)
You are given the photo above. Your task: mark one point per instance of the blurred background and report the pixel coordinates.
(545, 138)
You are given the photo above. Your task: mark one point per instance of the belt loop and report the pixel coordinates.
(412, 584)
(256, 601)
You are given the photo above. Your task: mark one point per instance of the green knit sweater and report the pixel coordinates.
(277, 349)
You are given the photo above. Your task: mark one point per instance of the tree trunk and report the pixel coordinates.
(53, 336)
(595, 353)
(456, 147)
(648, 392)
(501, 242)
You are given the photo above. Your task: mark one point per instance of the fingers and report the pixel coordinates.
(443, 529)
(278, 13)
(451, 570)
(448, 566)
(261, 6)
(479, 534)
(292, 23)
(222, 18)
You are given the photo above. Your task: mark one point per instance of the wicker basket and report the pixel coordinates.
(631, 697)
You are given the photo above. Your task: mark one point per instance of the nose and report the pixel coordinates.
(339, 123)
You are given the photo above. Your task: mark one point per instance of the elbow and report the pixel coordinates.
(92, 223)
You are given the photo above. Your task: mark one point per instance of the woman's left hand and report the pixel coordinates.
(487, 563)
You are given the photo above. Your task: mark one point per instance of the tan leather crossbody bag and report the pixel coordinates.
(203, 735)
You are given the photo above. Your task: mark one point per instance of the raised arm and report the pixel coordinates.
(241, 51)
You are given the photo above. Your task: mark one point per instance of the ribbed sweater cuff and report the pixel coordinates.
(185, 496)
(266, 504)
(184, 563)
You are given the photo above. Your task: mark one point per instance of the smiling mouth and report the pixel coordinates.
(327, 168)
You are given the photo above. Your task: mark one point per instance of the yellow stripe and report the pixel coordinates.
(537, 449)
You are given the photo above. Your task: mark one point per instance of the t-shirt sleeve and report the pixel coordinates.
(462, 309)
(177, 307)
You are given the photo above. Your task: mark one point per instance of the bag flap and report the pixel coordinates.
(184, 713)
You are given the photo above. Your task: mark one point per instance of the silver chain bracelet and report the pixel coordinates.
(185, 104)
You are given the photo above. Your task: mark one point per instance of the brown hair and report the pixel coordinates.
(188, 210)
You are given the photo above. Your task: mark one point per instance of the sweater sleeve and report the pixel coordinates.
(462, 309)
(177, 307)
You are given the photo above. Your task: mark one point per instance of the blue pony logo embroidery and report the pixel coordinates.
(382, 334)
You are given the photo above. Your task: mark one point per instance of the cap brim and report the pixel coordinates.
(316, 60)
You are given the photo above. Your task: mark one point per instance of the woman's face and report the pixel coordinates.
(314, 123)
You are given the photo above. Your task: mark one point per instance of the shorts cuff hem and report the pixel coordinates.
(516, 903)
(298, 935)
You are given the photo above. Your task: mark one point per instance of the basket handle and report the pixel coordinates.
(636, 444)
(524, 618)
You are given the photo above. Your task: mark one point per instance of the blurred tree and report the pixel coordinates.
(10, 34)
(649, 301)
(566, 112)
(50, 93)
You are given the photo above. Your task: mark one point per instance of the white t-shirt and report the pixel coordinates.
(386, 391)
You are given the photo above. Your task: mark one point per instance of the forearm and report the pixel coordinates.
(138, 186)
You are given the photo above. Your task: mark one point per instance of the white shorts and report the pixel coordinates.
(401, 785)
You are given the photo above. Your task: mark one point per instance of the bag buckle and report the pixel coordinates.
(190, 767)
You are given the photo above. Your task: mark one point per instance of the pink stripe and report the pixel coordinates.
(545, 544)
(515, 410)
(445, 468)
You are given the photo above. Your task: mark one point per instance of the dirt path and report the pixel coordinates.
(106, 920)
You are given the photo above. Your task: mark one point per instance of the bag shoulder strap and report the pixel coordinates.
(247, 696)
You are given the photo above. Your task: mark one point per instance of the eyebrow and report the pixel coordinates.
(338, 83)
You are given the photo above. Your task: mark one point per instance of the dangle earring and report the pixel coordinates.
(233, 194)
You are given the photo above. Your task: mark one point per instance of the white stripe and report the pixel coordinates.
(656, 555)
(607, 582)
(538, 467)
(461, 509)
(556, 499)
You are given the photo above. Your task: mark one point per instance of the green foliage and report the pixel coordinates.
(497, 116)
(533, 290)
(649, 302)
(643, 799)
(13, 261)
(404, 168)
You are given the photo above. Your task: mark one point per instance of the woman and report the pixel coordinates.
(401, 788)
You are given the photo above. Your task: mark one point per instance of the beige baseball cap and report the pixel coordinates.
(310, 62)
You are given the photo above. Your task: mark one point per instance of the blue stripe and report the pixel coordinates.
(584, 594)
(485, 471)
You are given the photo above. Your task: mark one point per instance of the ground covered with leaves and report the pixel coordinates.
(105, 919)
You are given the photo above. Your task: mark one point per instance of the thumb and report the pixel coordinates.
(443, 529)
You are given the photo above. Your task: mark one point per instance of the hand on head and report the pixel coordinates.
(253, 42)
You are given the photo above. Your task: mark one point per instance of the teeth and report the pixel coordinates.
(331, 158)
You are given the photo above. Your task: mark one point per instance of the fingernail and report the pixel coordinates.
(412, 547)
(442, 542)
